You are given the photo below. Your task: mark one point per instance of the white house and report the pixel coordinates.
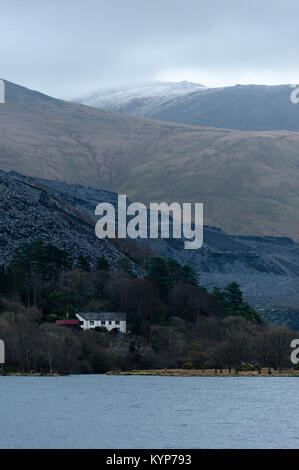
(109, 320)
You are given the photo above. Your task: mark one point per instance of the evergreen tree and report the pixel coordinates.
(175, 269)
(34, 263)
(179, 273)
(189, 275)
(158, 272)
(233, 295)
(83, 263)
(102, 264)
(125, 265)
(232, 299)
(6, 281)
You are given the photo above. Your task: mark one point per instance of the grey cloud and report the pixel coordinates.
(69, 47)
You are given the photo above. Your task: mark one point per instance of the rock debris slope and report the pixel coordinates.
(28, 211)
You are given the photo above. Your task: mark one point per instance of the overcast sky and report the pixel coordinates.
(70, 47)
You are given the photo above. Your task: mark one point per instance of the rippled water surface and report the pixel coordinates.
(98, 411)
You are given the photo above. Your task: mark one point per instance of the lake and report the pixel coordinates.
(98, 411)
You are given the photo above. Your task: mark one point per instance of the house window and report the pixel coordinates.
(110, 322)
(91, 322)
(117, 322)
(103, 322)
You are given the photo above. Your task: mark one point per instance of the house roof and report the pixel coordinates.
(98, 316)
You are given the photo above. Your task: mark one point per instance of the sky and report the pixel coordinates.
(67, 48)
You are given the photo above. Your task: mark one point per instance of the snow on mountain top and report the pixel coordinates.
(113, 98)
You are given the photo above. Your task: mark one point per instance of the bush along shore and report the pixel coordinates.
(173, 323)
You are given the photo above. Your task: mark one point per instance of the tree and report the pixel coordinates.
(280, 339)
(60, 302)
(175, 269)
(83, 263)
(189, 275)
(34, 263)
(158, 272)
(6, 280)
(102, 264)
(232, 299)
(125, 265)
(139, 298)
(179, 273)
(191, 303)
(233, 295)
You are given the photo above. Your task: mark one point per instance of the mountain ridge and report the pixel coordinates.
(148, 94)
(239, 107)
(232, 172)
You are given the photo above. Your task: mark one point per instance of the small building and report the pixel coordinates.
(110, 320)
(70, 323)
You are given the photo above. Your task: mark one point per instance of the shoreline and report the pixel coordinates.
(28, 374)
(207, 373)
(172, 373)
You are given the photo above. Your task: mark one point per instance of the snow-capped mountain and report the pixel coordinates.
(140, 99)
(240, 107)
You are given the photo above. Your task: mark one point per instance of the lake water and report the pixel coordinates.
(98, 411)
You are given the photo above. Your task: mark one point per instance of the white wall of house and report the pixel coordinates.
(108, 324)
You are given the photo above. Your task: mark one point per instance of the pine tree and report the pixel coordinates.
(158, 272)
(189, 275)
(125, 265)
(83, 263)
(102, 264)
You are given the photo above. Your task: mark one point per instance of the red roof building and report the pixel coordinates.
(67, 322)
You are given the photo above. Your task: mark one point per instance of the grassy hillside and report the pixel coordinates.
(247, 180)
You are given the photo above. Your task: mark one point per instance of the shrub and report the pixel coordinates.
(188, 365)
(51, 318)
(246, 366)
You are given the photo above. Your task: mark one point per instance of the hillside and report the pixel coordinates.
(267, 268)
(241, 107)
(28, 212)
(248, 181)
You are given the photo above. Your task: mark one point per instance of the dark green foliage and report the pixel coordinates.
(159, 273)
(59, 302)
(232, 299)
(136, 322)
(233, 295)
(46, 259)
(6, 281)
(83, 263)
(175, 270)
(102, 264)
(52, 317)
(246, 366)
(125, 265)
(189, 275)
(179, 273)
(170, 320)
(188, 365)
(34, 263)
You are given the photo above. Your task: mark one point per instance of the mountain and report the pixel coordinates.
(241, 107)
(267, 268)
(139, 100)
(28, 211)
(248, 181)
